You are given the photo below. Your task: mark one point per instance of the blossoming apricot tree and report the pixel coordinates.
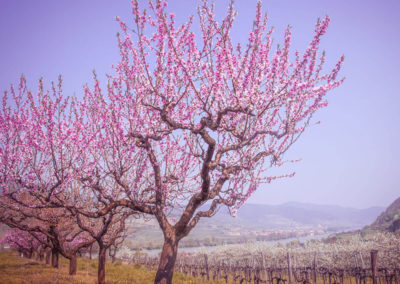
(23, 241)
(206, 117)
(44, 167)
(188, 123)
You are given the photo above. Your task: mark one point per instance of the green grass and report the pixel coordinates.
(14, 269)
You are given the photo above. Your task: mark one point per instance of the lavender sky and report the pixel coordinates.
(350, 159)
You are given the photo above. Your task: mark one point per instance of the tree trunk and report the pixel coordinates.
(48, 252)
(167, 261)
(72, 265)
(41, 255)
(113, 256)
(90, 251)
(101, 271)
(54, 258)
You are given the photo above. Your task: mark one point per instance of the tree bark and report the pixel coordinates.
(167, 261)
(54, 258)
(48, 252)
(90, 251)
(41, 254)
(72, 265)
(101, 271)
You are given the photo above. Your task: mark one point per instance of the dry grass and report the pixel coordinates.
(14, 269)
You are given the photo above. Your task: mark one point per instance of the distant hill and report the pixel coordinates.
(389, 220)
(295, 214)
(263, 222)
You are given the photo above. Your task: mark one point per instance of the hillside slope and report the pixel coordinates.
(389, 220)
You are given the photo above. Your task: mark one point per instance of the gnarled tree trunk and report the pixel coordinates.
(165, 269)
(54, 258)
(48, 252)
(101, 271)
(72, 265)
(41, 253)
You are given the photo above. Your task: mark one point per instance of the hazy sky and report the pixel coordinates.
(350, 159)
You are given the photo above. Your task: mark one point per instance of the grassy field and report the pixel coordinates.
(14, 269)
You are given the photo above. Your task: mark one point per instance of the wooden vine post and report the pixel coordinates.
(206, 262)
(374, 267)
(264, 267)
(314, 269)
(289, 268)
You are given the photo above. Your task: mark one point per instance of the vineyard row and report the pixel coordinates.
(256, 271)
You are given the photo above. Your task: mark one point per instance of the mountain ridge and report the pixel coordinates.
(313, 214)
